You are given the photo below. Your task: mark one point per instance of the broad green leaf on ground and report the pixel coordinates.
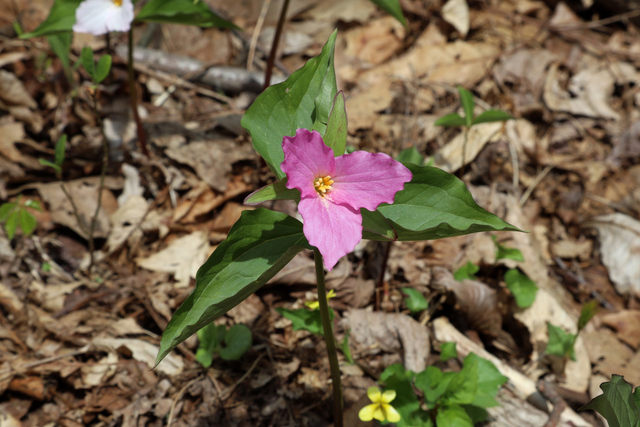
(503, 252)
(448, 351)
(6, 209)
(524, 290)
(187, 12)
(451, 120)
(304, 100)
(467, 271)
(336, 133)
(492, 116)
(395, 377)
(209, 339)
(103, 67)
(415, 301)
(61, 18)
(453, 416)
(436, 204)
(489, 381)
(589, 310)
(303, 319)
(26, 221)
(433, 384)
(237, 340)
(392, 7)
(616, 404)
(259, 245)
(411, 155)
(560, 342)
(464, 384)
(11, 223)
(276, 191)
(468, 104)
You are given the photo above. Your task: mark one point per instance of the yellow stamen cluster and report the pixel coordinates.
(323, 185)
(117, 2)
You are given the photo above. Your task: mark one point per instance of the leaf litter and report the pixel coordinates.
(75, 351)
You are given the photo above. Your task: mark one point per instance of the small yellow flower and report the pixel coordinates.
(313, 305)
(380, 409)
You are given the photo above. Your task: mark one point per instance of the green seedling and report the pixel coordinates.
(97, 71)
(230, 343)
(16, 215)
(58, 159)
(562, 343)
(448, 351)
(414, 300)
(467, 271)
(469, 119)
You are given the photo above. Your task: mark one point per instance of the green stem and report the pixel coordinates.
(142, 138)
(330, 341)
(274, 46)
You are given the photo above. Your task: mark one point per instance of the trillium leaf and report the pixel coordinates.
(301, 101)
(259, 245)
(336, 135)
(187, 12)
(376, 227)
(61, 18)
(436, 204)
(392, 7)
(276, 191)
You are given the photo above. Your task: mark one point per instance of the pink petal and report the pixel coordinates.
(306, 158)
(334, 229)
(364, 180)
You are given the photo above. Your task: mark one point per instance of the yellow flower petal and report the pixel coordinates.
(331, 294)
(391, 414)
(313, 305)
(374, 394)
(379, 414)
(388, 396)
(366, 413)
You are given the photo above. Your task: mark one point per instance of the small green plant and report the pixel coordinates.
(617, 403)
(448, 351)
(58, 159)
(414, 300)
(97, 71)
(467, 271)
(16, 215)
(447, 399)
(562, 343)
(469, 119)
(230, 343)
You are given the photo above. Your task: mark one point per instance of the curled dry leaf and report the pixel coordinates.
(456, 13)
(391, 333)
(626, 323)
(476, 300)
(619, 237)
(450, 157)
(142, 351)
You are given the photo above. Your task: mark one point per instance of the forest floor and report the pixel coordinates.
(77, 347)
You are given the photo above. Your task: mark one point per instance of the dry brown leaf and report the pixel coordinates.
(96, 373)
(456, 13)
(391, 333)
(13, 92)
(126, 223)
(375, 42)
(182, 258)
(627, 325)
(606, 352)
(84, 193)
(450, 158)
(142, 351)
(619, 237)
(212, 160)
(477, 301)
(228, 216)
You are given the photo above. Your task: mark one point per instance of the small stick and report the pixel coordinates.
(274, 46)
(549, 391)
(256, 33)
(142, 137)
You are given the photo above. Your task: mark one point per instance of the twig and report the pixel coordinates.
(597, 23)
(142, 137)
(256, 33)
(227, 391)
(274, 46)
(534, 184)
(175, 401)
(559, 405)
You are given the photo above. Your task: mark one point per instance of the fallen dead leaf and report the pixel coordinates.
(619, 237)
(627, 324)
(450, 157)
(97, 373)
(456, 13)
(182, 258)
(142, 351)
(391, 333)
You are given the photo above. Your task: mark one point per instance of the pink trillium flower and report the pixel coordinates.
(99, 17)
(334, 189)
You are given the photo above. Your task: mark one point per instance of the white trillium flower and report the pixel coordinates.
(99, 17)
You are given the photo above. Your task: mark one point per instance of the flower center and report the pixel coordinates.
(323, 185)
(117, 2)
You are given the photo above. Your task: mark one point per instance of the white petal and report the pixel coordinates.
(119, 18)
(97, 16)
